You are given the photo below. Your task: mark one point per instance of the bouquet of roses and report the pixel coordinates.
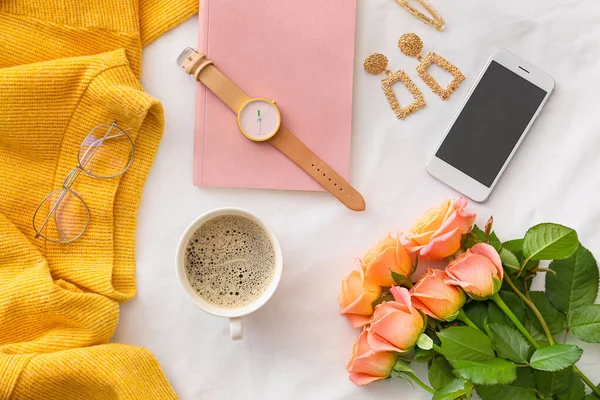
(477, 323)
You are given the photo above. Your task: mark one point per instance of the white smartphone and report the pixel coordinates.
(490, 125)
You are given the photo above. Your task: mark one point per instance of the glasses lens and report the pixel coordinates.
(62, 217)
(106, 152)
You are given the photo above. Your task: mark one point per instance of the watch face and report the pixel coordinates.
(259, 119)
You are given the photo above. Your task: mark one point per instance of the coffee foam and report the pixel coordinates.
(230, 261)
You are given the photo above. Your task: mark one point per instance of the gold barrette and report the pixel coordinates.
(435, 20)
(376, 64)
(411, 45)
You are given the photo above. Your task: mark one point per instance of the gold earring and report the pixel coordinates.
(376, 64)
(411, 45)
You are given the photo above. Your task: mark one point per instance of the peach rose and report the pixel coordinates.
(439, 232)
(368, 365)
(357, 297)
(435, 297)
(387, 255)
(396, 325)
(478, 271)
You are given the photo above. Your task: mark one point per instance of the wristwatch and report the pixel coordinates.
(259, 120)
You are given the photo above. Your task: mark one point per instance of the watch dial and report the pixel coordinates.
(259, 119)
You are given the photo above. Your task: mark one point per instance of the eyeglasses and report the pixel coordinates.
(105, 153)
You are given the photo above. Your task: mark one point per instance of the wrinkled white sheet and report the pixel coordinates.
(297, 346)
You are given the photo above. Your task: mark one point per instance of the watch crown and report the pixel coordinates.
(273, 101)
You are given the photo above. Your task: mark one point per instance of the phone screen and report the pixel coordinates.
(491, 123)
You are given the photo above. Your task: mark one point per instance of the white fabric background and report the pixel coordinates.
(296, 347)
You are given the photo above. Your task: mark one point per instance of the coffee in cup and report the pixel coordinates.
(229, 263)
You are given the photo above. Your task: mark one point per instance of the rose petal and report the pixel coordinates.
(376, 363)
(474, 273)
(378, 271)
(399, 328)
(358, 321)
(422, 307)
(364, 379)
(377, 343)
(490, 253)
(442, 246)
(461, 221)
(363, 305)
(360, 347)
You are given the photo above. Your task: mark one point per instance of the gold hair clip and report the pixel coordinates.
(435, 20)
(376, 64)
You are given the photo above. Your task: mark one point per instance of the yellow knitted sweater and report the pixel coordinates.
(66, 66)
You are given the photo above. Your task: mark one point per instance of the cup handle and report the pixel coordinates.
(236, 327)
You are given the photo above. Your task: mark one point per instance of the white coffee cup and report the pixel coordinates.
(235, 315)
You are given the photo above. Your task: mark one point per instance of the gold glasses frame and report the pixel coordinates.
(88, 153)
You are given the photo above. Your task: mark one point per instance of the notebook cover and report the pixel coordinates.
(298, 53)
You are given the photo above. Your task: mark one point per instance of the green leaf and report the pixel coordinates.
(400, 280)
(556, 357)
(440, 372)
(510, 343)
(386, 296)
(590, 397)
(509, 260)
(489, 372)
(549, 242)
(575, 283)
(505, 392)
(423, 356)
(474, 237)
(496, 315)
(516, 247)
(495, 242)
(556, 321)
(552, 383)
(466, 343)
(402, 366)
(451, 391)
(576, 390)
(515, 304)
(519, 283)
(477, 312)
(425, 342)
(469, 386)
(585, 323)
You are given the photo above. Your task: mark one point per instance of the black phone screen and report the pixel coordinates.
(491, 123)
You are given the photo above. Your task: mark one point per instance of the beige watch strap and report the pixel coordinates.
(204, 71)
(288, 144)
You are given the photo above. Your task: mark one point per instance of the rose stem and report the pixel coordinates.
(532, 307)
(437, 349)
(420, 382)
(540, 318)
(496, 299)
(463, 318)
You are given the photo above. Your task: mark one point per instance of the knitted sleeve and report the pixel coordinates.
(158, 16)
(59, 304)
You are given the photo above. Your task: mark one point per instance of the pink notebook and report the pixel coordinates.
(299, 53)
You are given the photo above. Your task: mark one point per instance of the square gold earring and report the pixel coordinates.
(411, 45)
(376, 64)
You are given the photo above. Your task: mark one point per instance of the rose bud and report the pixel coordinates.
(368, 365)
(438, 233)
(434, 297)
(357, 297)
(396, 325)
(387, 255)
(478, 271)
